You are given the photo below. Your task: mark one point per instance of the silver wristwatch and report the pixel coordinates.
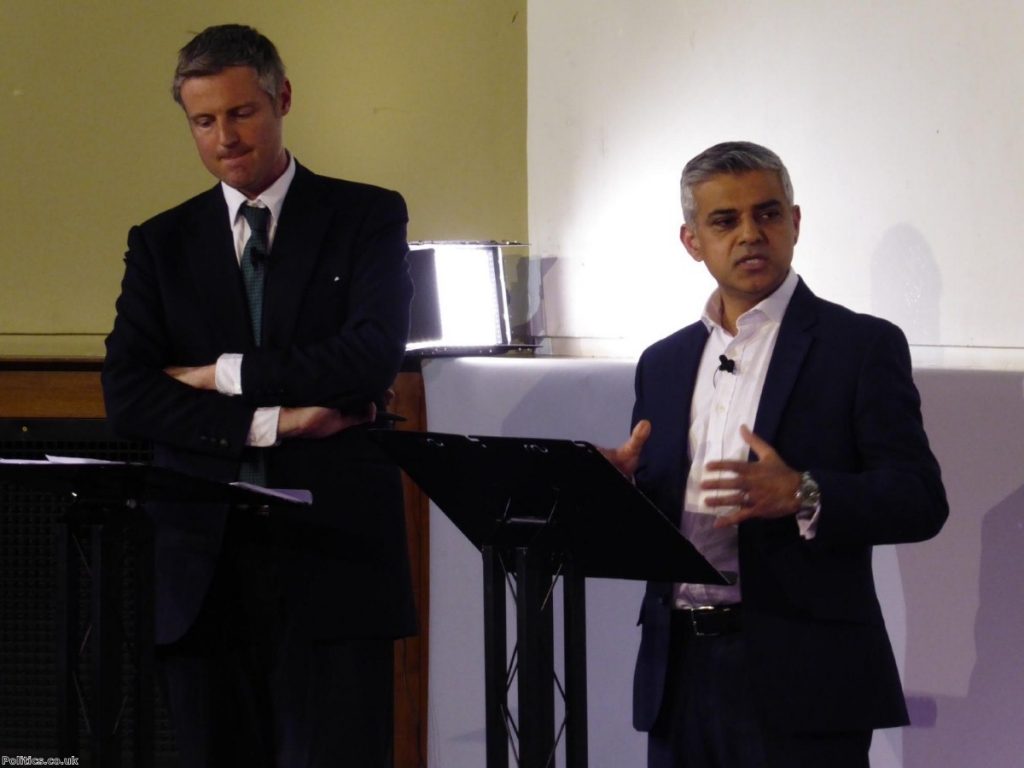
(808, 494)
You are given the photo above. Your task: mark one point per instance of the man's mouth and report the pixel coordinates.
(754, 260)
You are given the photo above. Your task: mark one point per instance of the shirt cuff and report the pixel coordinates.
(263, 430)
(807, 522)
(228, 374)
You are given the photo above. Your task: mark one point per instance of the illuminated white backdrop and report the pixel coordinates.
(900, 123)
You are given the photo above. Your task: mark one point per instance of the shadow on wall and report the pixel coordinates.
(906, 286)
(965, 673)
(525, 279)
(985, 727)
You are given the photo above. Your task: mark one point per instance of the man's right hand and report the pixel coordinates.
(313, 422)
(626, 457)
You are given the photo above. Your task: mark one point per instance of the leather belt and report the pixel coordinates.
(708, 620)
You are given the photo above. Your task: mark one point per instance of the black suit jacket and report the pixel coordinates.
(838, 401)
(335, 321)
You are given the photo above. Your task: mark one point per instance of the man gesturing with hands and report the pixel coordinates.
(783, 434)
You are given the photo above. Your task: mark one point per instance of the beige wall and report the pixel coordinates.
(424, 96)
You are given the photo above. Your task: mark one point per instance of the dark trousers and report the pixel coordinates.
(708, 719)
(247, 685)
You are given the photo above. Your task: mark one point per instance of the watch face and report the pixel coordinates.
(809, 493)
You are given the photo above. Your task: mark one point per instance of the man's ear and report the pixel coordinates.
(690, 242)
(796, 223)
(284, 99)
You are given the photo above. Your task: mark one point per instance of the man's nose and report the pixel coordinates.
(751, 230)
(226, 134)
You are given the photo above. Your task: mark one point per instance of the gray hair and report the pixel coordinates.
(229, 45)
(729, 157)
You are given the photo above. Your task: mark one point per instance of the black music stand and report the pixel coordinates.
(108, 495)
(539, 509)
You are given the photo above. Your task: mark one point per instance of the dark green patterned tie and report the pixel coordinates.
(254, 265)
(254, 268)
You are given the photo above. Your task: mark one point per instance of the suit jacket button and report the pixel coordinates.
(223, 442)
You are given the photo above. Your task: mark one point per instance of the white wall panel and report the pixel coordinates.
(900, 123)
(952, 604)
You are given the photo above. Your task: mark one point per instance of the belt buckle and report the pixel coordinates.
(704, 611)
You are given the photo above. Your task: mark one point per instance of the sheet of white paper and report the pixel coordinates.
(288, 494)
(77, 460)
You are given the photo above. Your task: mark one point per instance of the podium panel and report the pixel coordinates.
(539, 510)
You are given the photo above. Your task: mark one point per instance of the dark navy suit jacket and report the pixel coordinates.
(838, 401)
(335, 321)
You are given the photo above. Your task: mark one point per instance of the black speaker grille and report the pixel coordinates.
(29, 523)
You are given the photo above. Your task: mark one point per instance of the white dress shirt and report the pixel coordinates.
(263, 430)
(722, 402)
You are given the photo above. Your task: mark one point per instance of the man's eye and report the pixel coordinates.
(770, 215)
(722, 223)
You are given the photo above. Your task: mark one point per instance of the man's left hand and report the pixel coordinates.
(626, 457)
(763, 488)
(199, 377)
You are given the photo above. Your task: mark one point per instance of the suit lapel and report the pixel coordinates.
(210, 251)
(677, 403)
(689, 364)
(790, 350)
(293, 256)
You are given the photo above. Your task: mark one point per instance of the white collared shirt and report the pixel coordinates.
(263, 430)
(272, 198)
(722, 401)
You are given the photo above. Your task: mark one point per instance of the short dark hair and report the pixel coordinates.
(229, 45)
(729, 157)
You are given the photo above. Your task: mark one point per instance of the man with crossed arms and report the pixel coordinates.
(259, 325)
